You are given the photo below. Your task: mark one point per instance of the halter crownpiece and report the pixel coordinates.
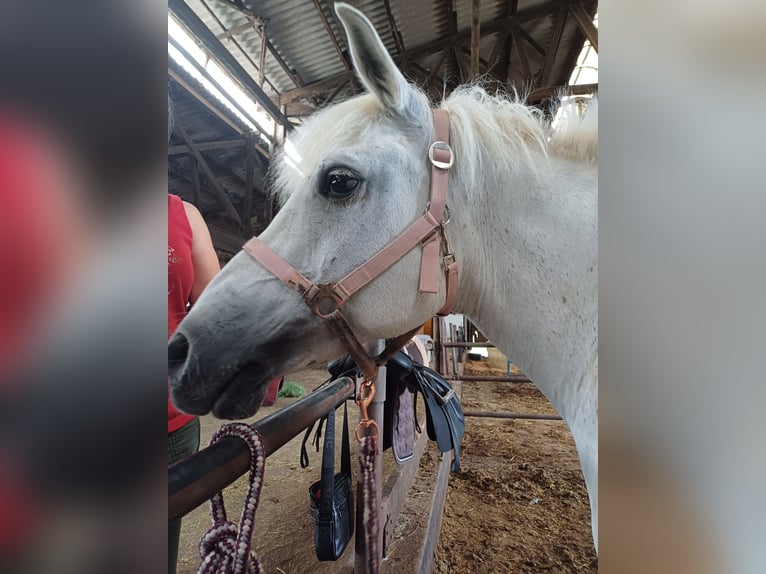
(327, 300)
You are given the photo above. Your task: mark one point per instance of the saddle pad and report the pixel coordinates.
(403, 425)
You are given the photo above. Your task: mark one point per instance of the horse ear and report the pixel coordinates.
(372, 62)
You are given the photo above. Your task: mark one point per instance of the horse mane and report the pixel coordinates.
(576, 136)
(502, 126)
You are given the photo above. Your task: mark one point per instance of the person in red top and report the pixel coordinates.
(192, 263)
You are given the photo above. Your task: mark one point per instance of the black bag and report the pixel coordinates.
(332, 498)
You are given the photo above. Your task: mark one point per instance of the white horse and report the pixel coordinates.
(523, 205)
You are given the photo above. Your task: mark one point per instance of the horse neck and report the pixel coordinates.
(527, 248)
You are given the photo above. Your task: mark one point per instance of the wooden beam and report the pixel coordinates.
(202, 99)
(431, 80)
(334, 40)
(494, 56)
(226, 34)
(501, 51)
(475, 36)
(462, 66)
(248, 227)
(292, 74)
(316, 88)
(174, 169)
(206, 146)
(397, 37)
(569, 64)
(334, 93)
(467, 52)
(199, 29)
(253, 19)
(262, 60)
(196, 195)
(552, 91)
(222, 144)
(525, 15)
(531, 41)
(220, 193)
(585, 23)
(521, 50)
(553, 45)
(435, 70)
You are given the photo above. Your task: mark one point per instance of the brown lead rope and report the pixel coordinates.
(226, 547)
(367, 452)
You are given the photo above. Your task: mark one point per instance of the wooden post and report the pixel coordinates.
(247, 223)
(585, 23)
(521, 49)
(262, 61)
(553, 45)
(475, 36)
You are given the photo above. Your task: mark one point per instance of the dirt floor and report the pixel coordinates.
(519, 504)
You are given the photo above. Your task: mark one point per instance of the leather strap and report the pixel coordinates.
(345, 449)
(343, 331)
(285, 272)
(451, 297)
(327, 480)
(394, 345)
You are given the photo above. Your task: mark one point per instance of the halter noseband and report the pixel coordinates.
(327, 299)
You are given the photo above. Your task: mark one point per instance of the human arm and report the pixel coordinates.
(204, 257)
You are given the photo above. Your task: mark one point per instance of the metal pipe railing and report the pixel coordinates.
(492, 378)
(527, 416)
(197, 478)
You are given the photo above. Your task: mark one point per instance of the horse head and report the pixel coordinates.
(350, 179)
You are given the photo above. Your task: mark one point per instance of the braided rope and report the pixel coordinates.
(225, 548)
(369, 501)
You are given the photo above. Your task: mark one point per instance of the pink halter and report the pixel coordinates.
(326, 300)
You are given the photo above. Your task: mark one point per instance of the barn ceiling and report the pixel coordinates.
(291, 57)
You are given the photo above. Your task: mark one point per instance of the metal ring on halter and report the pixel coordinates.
(326, 292)
(447, 213)
(444, 146)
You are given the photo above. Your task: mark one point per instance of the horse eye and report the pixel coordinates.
(341, 184)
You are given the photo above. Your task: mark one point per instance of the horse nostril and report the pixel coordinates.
(178, 351)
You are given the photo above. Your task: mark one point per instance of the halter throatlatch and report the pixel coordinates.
(327, 300)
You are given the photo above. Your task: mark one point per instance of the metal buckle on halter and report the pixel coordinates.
(443, 146)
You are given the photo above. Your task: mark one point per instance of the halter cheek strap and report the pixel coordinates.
(326, 300)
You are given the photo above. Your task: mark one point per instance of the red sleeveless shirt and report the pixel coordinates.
(180, 281)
